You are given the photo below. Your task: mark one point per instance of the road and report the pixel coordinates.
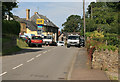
(47, 63)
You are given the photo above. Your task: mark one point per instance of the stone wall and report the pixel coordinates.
(105, 60)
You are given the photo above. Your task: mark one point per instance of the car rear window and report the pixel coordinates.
(36, 38)
(47, 37)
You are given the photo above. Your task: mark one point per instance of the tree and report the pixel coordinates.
(104, 15)
(72, 24)
(7, 7)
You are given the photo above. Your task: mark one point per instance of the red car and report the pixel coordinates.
(35, 40)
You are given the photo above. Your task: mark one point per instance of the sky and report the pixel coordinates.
(57, 12)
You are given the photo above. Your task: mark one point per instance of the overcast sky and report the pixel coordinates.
(57, 12)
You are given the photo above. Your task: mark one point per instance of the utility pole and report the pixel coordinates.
(91, 11)
(84, 16)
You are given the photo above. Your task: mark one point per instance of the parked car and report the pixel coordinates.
(24, 37)
(60, 43)
(29, 35)
(73, 40)
(82, 42)
(48, 40)
(35, 40)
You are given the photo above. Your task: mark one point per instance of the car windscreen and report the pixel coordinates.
(47, 37)
(32, 35)
(61, 42)
(36, 38)
(73, 37)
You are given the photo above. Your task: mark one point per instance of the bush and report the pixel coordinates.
(112, 39)
(100, 45)
(10, 27)
(109, 47)
(95, 34)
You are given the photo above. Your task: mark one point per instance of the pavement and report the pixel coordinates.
(81, 69)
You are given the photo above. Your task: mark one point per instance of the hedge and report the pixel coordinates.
(10, 27)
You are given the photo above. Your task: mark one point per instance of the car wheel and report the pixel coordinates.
(68, 46)
(41, 46)
(78, 46)
(29, 45)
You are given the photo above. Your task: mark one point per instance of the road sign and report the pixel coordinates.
(39, 26)
(40, 21)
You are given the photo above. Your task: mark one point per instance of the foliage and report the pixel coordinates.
(103, 16)
(7, 7)
(95, 34)
(109, 47)
(98, 40)
(72, 24)
(100, 45)
(90, 25)
(21, 43)
(112, 39)
(10, 27)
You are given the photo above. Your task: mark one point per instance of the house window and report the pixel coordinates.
(39, 32)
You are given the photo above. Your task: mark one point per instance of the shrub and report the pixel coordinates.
(109, 47)
(10, 27)
(95, 34)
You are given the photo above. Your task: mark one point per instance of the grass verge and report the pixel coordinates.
(10, 50)
(21, 44)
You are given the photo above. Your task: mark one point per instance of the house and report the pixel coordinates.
(29, 25)
(49, 28)
(63, 36)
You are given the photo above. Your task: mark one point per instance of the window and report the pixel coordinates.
(36, 38)
(74, 37)
(47, 37)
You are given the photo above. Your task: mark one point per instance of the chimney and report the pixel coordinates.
(27, 14)
(36, 13)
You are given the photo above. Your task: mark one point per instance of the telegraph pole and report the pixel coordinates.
(84, 16)
(91, 11)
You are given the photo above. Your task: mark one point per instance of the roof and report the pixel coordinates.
(30, 24)
(47, 22)
(64, 33)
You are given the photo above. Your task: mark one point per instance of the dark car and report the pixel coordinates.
(35, 40)
(82, 42)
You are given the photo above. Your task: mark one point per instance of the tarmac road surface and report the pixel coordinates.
(47, 63)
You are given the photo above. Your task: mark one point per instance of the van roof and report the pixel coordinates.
(73, 35)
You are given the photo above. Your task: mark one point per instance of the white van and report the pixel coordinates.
(73, 40)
